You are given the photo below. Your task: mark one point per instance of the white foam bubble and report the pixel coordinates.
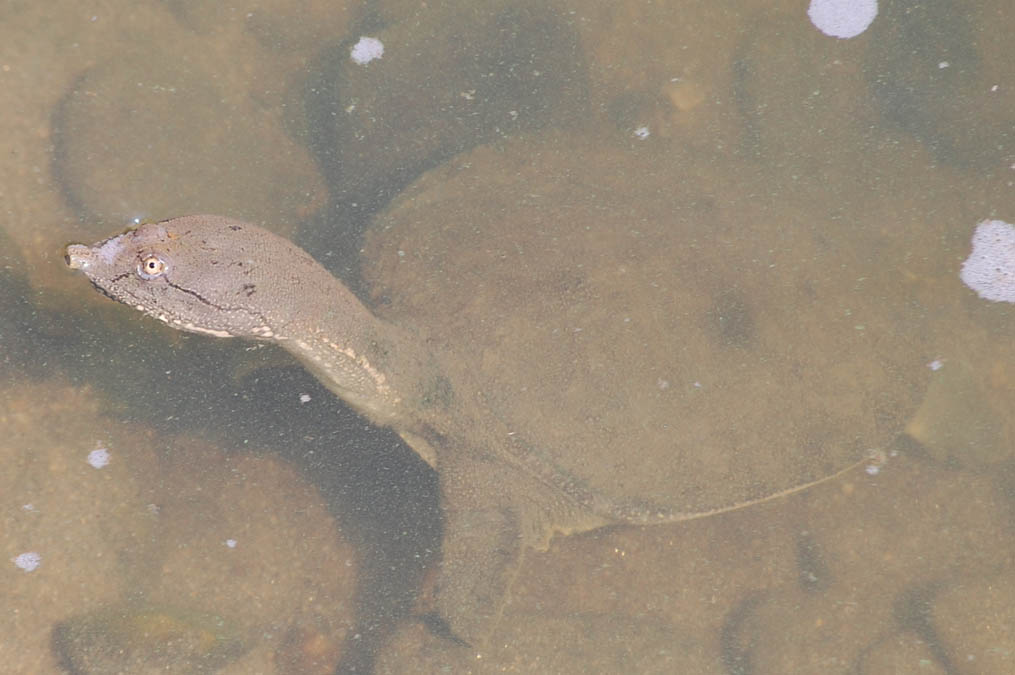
(366, 50)
(990, 268)
(98, 458)
(29, 562)
(842, 18)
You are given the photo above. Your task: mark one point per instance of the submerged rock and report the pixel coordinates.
(147, 639)
(453, 75)
(164, 132)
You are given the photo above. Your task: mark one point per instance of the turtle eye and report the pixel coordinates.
(151, 267)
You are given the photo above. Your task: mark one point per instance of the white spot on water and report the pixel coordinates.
(366, 50)
(304, 398)
(28, 561)
(936, 364)
(231, 543)
(878, 458)
(642, 133)
(98, 458)
(842, 18)
(990, 268)
(942, 65)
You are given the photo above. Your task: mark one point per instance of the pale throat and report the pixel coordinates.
(370, 364)
(350, 372)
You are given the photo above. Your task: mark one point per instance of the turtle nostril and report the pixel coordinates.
(78, 256)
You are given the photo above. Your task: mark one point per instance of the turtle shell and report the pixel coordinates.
(661, 327)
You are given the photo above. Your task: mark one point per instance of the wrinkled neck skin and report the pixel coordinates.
(382, 371)
(376, 367)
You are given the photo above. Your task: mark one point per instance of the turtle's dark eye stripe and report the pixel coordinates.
(106, 293)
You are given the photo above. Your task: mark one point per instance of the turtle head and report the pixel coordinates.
(222, 277)
(204, 274)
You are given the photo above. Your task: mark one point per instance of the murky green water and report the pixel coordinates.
(274, 531)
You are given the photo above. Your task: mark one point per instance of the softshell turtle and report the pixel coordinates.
(572, 337)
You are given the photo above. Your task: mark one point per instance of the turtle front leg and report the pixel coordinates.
(493, 511)
(485, 538)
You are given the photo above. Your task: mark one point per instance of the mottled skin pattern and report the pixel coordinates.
(221, 277)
